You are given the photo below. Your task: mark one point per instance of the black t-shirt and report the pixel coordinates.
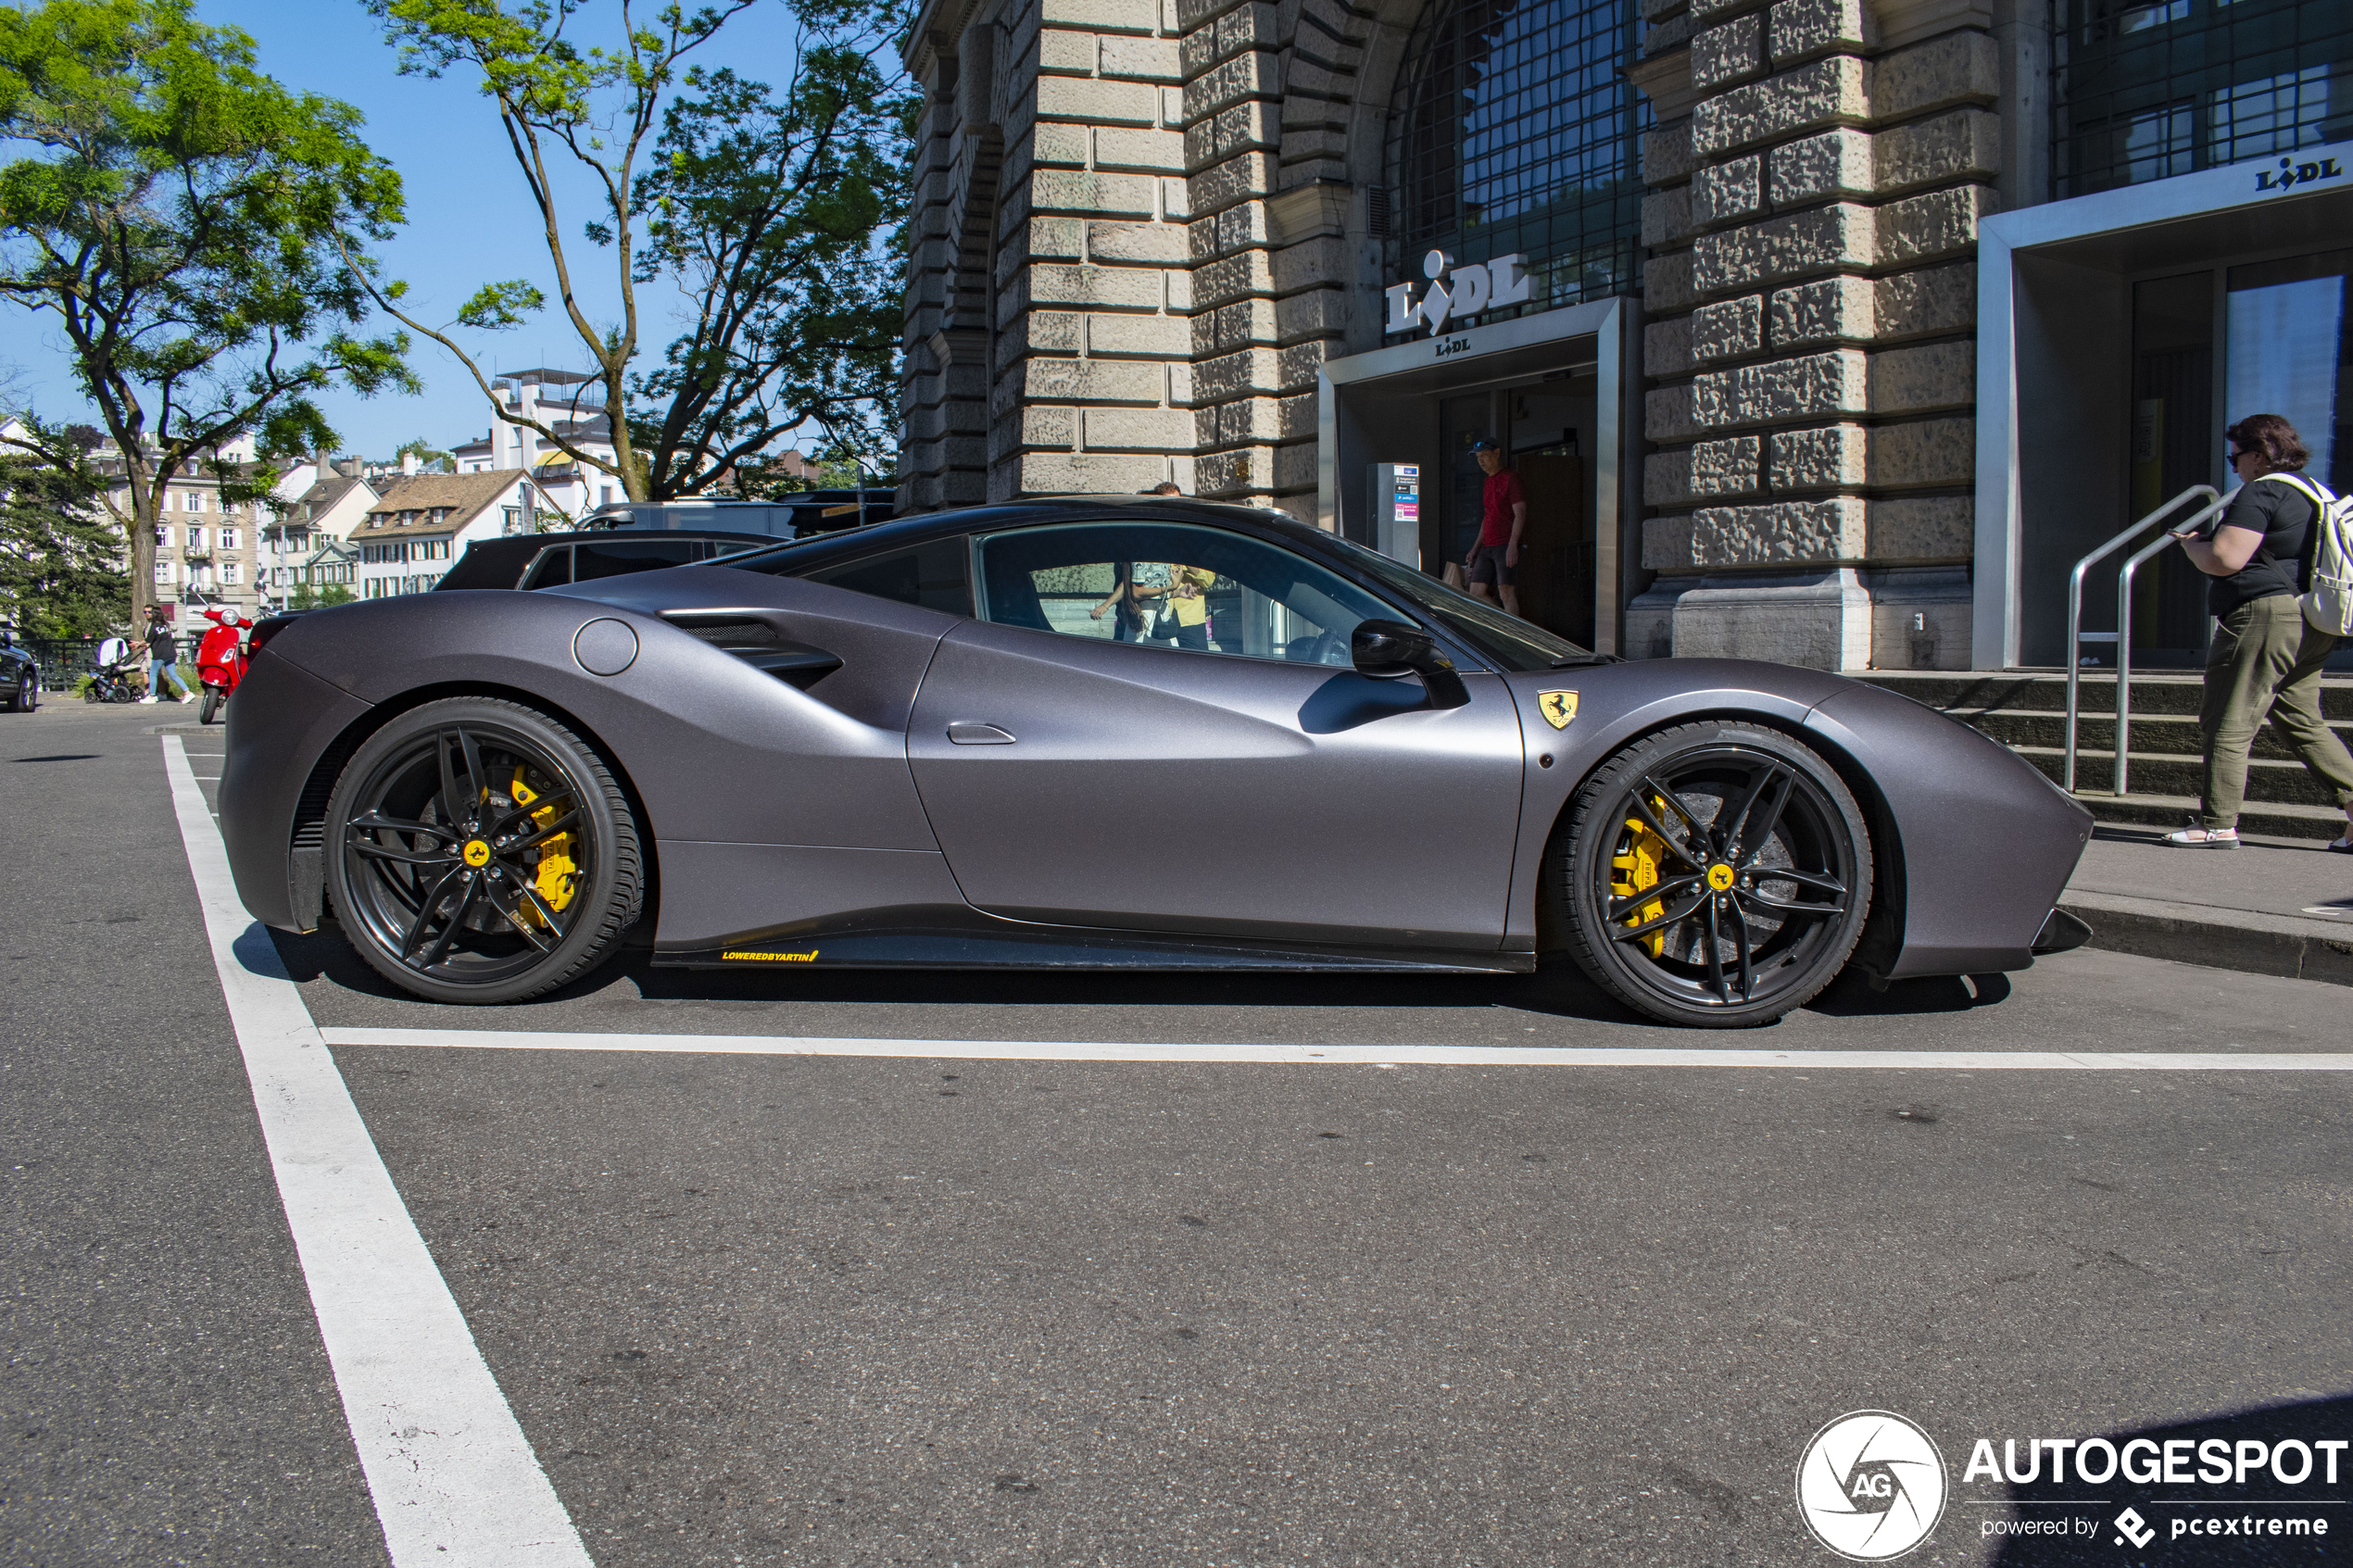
(162, 643)
(2283, 515)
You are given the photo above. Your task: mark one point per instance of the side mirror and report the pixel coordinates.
(1387, 650)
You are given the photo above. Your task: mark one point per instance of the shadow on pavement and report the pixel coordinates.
(1559, 990)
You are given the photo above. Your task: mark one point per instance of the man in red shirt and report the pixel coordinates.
(1503, 520)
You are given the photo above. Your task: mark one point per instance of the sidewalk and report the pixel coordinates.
(2278, 906)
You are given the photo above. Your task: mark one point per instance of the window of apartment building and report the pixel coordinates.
(228, 572)
(163, 573)
(232, 538)
(191, 500)
(163, 534)
(195, 536)
(1512, 131)
(2145, 91)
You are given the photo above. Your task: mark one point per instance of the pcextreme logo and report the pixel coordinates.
(1871, 1485)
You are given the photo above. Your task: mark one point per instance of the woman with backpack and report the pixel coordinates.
(2266, 655)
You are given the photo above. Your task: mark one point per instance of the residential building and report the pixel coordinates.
(1825, 331)
(302, 543)
(413, 532)
(573, 405)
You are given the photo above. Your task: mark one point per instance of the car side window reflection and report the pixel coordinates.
(1173, 586)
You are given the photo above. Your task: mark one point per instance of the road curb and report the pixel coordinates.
(2244, 940)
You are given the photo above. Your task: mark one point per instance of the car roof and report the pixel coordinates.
(818, 548)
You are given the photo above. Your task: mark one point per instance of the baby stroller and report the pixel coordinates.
(110, 681)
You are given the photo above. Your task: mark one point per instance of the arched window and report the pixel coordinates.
(1511, 131)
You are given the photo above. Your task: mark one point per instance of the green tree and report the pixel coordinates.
(430, 457)
(60, 552)
(767, 211)
(194, 231)
(779, 217)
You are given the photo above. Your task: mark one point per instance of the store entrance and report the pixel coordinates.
(2132, 346)
(1540, 427)
(2283, 350)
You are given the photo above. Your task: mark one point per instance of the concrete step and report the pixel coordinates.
(2164, 693)
(2160, 735)
(2169, 812)
(2268, 782)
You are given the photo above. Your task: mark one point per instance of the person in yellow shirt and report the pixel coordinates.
(1188, 602)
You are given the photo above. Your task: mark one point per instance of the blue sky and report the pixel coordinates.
(469, 221)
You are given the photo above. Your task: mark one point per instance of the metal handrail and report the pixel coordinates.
(2075, 637)
(2124, 628)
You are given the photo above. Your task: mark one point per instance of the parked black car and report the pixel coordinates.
(19, 675)
(551, 560)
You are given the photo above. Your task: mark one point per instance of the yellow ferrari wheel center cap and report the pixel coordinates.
(1720, 877)
(477, 853)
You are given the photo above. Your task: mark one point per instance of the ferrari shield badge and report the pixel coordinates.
(1558, 707)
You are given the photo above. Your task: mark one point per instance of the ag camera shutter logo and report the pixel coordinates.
(1871, 1485)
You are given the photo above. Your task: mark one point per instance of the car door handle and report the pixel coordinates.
(967, 732)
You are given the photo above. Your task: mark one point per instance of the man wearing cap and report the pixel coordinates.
(1502, 519)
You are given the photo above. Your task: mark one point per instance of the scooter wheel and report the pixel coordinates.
(213, 698)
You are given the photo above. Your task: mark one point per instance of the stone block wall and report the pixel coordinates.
(1815, 180)
(1130, 247)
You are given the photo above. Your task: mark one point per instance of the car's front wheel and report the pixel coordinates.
(484, 852)
(26, 697)
(1716, 874)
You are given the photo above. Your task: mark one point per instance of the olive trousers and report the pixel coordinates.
(2266, 663)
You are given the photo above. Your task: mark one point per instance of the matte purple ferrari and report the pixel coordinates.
(1108, 733)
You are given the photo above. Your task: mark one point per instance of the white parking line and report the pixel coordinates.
(454, 1480)
(1358, 1056)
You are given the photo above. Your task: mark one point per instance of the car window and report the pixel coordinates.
(1174, 585)
(553, 570)
(618, 557)
(931, 574)
(1499, 635)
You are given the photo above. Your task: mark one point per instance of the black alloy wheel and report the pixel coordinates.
(28, 694)
(1716, 874)
(484, 852)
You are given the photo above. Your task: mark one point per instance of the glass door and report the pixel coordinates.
(2173, 448)
(2288, 354)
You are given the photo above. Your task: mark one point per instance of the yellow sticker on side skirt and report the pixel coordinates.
(808, 957)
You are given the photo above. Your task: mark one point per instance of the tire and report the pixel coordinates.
(124, 694)
(1722, 942)
(26, 697)
(436, 870)
(213, 697)
(90, 691)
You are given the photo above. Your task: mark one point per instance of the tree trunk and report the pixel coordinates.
(144, 515)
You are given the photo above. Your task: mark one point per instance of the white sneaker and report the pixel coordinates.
(146, 700)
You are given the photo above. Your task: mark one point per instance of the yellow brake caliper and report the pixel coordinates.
(556, 873)
(1636, 865)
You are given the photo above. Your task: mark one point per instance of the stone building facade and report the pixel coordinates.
(1161, 240)
(1816, 181)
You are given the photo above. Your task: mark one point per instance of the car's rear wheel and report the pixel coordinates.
(484, 852)
(1716, 874)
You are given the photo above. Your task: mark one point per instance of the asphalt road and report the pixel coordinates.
(786, 1309)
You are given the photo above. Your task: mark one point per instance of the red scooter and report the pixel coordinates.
(220, 660)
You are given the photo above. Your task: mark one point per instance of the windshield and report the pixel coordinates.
(1509, 642)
